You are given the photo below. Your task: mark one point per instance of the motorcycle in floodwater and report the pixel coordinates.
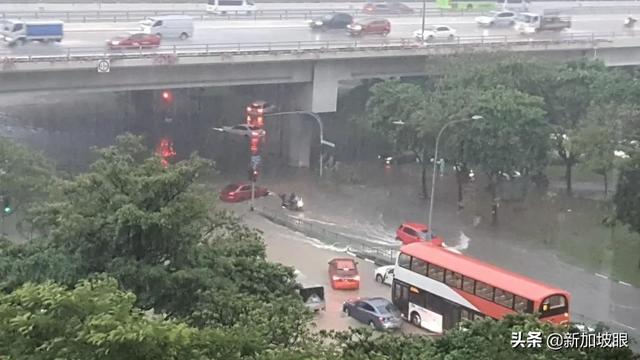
(292, 203)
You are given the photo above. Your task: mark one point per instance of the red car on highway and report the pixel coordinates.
(241, 192)
(414, 232)
(369, 26)
(134, 41)
(343, 274)
(386, 8)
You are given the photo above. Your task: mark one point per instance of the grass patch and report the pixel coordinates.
(579, 174)
(573, 228)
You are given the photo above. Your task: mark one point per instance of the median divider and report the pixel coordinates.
(350, 244)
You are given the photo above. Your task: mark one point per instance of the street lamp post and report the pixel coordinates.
(424, 13)
(320, 126)
(435, 160)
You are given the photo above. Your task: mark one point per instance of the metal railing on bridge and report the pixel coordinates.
(276, 14)
(169, 54)
(351, 244)
(271, 14)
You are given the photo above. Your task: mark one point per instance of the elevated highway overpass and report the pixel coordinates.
(316, 68)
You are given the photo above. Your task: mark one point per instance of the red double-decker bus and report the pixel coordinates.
(435, 288)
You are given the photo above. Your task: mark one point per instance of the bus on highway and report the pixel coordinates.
(435, 288)
(468, 5)
(483, 5)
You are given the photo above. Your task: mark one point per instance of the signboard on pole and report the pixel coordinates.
(328, 143)
(104, 66)
(255, 161)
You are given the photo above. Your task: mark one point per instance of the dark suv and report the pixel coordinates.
(331, 21)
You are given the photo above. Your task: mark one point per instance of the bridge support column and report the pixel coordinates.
(299, 136)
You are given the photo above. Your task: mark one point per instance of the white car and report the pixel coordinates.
(435, 32)
(243, 130)
(499, 18)
(384, 274)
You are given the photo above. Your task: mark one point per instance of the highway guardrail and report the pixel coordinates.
(170, 54)
(127, 16)
(277, 14)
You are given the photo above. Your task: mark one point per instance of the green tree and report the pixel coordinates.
(627, 196)
(396, 110)
(154, 229)
(25, 176)
(127, 206)
(569, 95)
(36, 262)
(511, 137)
(96, 320)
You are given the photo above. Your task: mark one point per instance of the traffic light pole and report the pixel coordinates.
(253, 194)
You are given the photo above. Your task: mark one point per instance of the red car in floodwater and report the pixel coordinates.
(241, 192)
(343, 274)
(414, 232)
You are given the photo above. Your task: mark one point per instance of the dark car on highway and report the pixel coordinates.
(377, 312)
(386, 8)
(241, 192)
(370, 26)
(331, 21)
(398, 158)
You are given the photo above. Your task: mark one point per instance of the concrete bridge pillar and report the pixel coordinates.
(300, 132)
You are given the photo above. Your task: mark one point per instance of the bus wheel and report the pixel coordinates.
(415, 319)
(379, 278)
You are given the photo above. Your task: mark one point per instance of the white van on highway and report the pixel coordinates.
(222, 7)
(169, 26)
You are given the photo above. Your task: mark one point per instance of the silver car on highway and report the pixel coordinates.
(379, 313)
(497, 18)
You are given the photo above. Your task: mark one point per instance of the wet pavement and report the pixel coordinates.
(373, 211)
(311, 257)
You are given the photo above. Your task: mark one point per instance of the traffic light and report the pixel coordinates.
(6, 206)
(254, 117)
(253, 175)
(167, 97)
(254, 145)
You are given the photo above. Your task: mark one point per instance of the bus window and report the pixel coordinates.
(418, 298)
(485, 291)
(419, 266)
(465, 315)
(522, 305)
(404, 261)
(436, 272)
(504, 298)
(453, 279)
(468, 284)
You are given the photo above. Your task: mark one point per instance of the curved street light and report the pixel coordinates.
(435, 161)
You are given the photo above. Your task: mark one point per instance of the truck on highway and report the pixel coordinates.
(22, 31)
(529, 23)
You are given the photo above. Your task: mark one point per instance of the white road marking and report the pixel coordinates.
(624, 325)
(624, 283)
(602, 276)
